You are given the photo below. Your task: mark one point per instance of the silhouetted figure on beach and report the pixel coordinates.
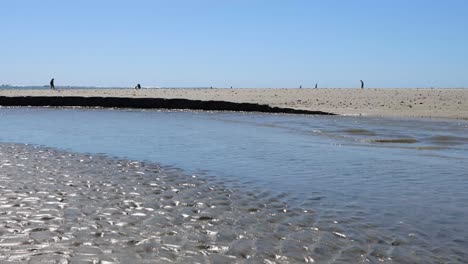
(300, 86)
(315, 86)
(52, 86)
(362, 84)
(231, 87)
(138, 86)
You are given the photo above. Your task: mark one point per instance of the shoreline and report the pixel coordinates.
(413, 102)
(148, 103)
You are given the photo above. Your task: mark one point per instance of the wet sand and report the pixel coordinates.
(432, 103)
(62, 207)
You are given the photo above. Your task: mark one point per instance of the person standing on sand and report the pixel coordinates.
(138, 86)
(362, 84)
(315, 86)
(52, 86)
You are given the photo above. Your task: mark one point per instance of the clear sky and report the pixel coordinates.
(243, 43)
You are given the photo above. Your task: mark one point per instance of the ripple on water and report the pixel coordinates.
(448, 140)
(394, 140)
(359, 131)
(81, 208)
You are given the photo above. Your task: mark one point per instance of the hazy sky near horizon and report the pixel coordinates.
(242, 43)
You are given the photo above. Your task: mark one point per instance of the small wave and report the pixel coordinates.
(447, 138)
(430, 148)
(394, 140)
(358, 131)
(442, 139)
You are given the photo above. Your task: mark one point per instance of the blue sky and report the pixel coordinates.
(243, 43)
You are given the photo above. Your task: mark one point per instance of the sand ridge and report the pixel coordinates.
(414, 102)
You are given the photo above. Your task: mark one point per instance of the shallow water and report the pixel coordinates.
(395, 188)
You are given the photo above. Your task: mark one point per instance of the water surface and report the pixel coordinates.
(378, 180)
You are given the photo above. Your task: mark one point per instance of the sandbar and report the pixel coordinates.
(412, 102)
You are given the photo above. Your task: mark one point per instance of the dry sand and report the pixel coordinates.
(435, 103)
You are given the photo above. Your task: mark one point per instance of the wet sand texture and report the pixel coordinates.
(440, 103)
(60, 207)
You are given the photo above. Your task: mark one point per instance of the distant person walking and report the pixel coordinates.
(315, 86)
(362, 84)
(52, 86)
(138, 86)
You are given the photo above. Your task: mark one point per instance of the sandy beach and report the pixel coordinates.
(429, 103)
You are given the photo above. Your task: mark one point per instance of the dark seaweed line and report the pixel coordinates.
(148, 103)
